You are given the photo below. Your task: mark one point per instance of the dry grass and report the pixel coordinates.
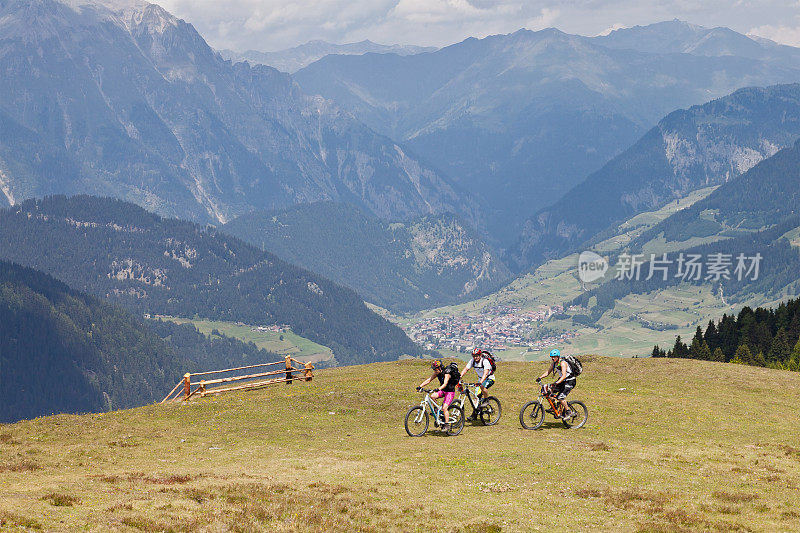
(10, 520)
(57, 499)
(20, 465)
(333, 456)
(735, 498)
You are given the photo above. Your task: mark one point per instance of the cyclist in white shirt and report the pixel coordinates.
(483, 367)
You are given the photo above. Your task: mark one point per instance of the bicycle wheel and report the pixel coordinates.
(416, 421)
(491, 411)
(581, 415)
(531, 416)
(456, 416)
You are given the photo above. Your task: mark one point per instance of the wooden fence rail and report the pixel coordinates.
(183, 390)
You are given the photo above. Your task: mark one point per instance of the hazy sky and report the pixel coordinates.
(276, 24)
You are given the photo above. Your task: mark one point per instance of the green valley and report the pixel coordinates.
(630, 328)
(278, 340)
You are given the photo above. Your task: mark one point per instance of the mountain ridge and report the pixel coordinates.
(293, 59)
(131, 102)
(689, 149)
(149, 264)
(399, 265)
(519, 119)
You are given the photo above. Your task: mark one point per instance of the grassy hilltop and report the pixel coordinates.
(670, 445)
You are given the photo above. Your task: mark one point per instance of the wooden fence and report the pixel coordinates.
(183, 390)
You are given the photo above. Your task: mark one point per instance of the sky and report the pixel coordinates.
(268, 25)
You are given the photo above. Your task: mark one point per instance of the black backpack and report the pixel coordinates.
(455, 373)
(490, 357)
(453, 370)
(575, 365)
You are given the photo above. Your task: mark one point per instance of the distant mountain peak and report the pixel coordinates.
(293, 59)
(678, 36)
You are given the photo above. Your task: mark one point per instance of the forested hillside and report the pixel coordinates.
(117, 250)
(777, 272)
(64, 351)
(424, 262)
(765, 195)
(710, 144)
(760, 337)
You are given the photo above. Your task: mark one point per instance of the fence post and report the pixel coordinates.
(187, 386)
(288, 370)
(307, 371)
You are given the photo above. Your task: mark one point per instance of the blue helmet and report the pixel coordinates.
(555, 353)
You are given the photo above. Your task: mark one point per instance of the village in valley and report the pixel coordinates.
(493, 328)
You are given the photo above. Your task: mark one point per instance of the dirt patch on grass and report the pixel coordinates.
(740, 497)
(24, 465)
(167, 479)
(9, 520)
(7, 438)
(257, 506)
(650, 503)
(790, 451)
(59, 499)
(480, 527)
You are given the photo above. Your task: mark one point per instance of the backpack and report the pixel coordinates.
(575, 365)
(452, 369)
(490, 357)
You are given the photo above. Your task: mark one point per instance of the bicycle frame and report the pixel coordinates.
(428, 404)
(470, 394)
(551, 399)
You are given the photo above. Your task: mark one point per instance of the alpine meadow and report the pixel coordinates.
(399, 266)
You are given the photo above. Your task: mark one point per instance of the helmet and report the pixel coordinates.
(436, 365)
(555, 353)
(476, 351)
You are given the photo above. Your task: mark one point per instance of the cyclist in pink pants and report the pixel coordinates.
(448, 378)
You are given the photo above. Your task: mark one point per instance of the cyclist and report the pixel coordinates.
(483, 367)
(448, 378)
(565, 382)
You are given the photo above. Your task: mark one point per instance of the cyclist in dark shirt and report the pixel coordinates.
(448, 378)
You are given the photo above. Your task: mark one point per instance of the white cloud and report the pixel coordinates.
(780, 34)
(275, 24)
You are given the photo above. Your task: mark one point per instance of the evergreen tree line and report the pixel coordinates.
(760, 337)
(63, 351)
(148, 264)
(779, 268)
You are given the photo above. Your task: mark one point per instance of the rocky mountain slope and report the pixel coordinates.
(688, 149)
(520, 119)
(426, 261)
(123, 99)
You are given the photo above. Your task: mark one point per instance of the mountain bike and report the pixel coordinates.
(417, 418)
(531, 416)
(489, 410)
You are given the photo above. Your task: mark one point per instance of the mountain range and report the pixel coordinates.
(293, 59)
(148, 264)
(123, 99)
(403, 266)
(705, 145)
(520, 119)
